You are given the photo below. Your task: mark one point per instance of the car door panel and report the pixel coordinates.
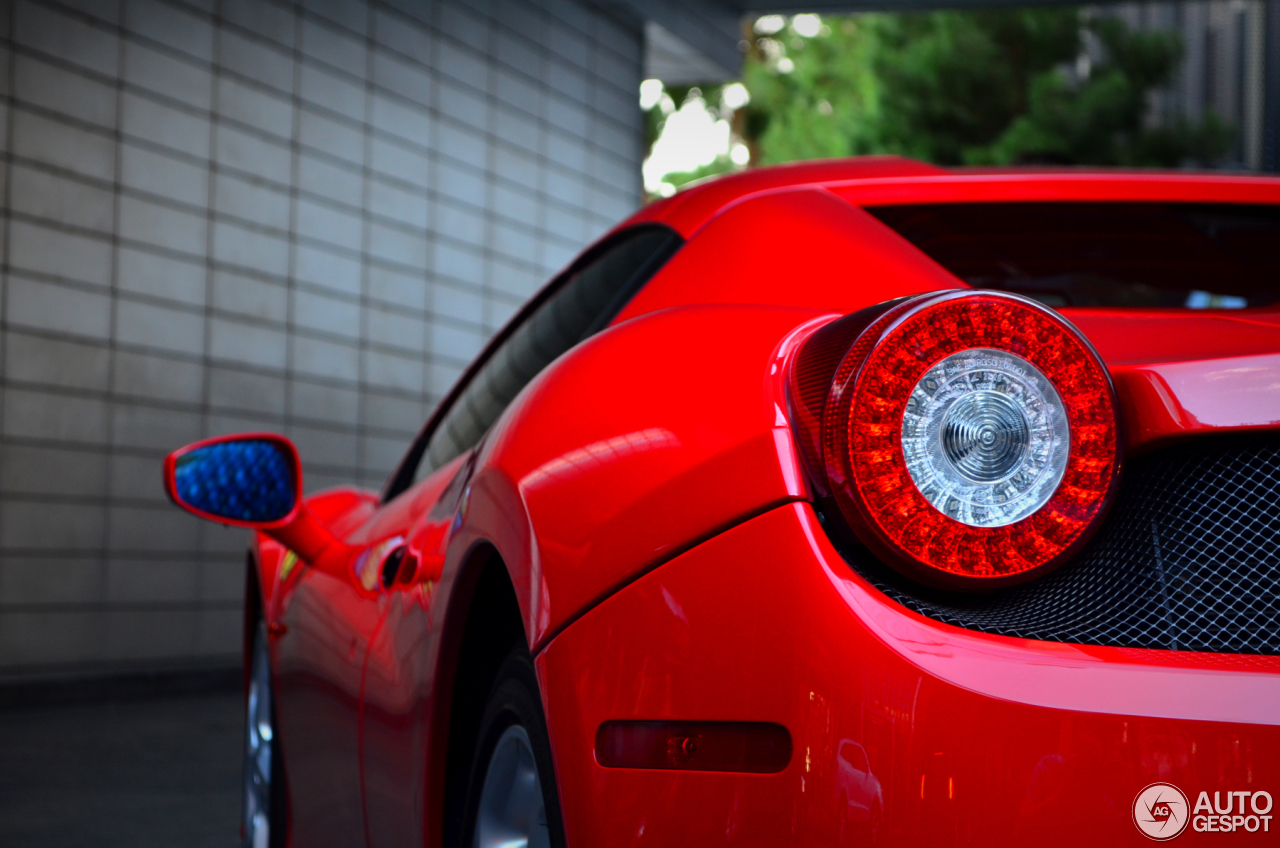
(400, 671)
(323, 621)
(319, 658)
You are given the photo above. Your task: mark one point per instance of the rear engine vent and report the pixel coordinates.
(1188, 560)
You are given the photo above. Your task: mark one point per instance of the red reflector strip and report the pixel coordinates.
(740, 746)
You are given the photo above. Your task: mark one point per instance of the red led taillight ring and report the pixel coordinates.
(867, 470)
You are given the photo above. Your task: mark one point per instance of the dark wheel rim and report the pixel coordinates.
(258, 735)
(512, 813)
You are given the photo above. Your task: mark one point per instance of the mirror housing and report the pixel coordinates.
(249, 480)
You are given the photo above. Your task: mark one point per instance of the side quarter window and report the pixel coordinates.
(575, 307)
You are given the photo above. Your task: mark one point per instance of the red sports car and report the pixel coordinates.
(855, 503)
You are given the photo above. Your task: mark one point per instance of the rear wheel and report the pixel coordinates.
(511, 791)
(263, 811)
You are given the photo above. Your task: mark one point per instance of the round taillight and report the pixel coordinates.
(969, 438)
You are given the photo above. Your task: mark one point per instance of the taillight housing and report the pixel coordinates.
(967, 438)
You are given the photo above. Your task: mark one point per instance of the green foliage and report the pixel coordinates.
(1100, 120)
(985, 87)
(952, 81)
(827, 106)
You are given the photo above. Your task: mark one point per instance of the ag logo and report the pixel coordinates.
(1160, 811)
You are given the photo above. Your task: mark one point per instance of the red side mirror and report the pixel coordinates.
(250, 480)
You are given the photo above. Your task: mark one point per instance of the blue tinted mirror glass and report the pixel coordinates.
(249, 480)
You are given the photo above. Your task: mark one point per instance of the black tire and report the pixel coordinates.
(273, 799)
(513, 700)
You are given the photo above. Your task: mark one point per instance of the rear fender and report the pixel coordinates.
(635, 446)
(803, 247)
(630, 449)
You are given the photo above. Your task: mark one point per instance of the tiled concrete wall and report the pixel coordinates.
(226, 215)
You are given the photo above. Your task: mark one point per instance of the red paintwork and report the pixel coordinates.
(767, 623)
(678, 413)
(887, 180)
(792, 247)
(399, 715)
(687, 211)
(1174, 400)
(340, 510)
(646, 498)
(1178, 374)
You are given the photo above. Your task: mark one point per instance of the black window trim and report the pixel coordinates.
(402, 478)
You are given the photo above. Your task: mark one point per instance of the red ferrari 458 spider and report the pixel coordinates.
(848, 503)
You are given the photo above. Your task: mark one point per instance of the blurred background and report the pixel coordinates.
(307, 217)
(1164, 85)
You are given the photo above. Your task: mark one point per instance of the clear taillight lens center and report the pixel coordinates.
(985, 437)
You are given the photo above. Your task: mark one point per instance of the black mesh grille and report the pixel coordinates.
(1188, 560)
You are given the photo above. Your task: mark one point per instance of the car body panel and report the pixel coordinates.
(1155, 337)
(800, 247)
(690, 209)
(1009, 741)
(343, 510)
(403, 711)
(674, 441)
(885, 180)
(321, 624)
(1181, 399)
(317, 662)
(859, 800)
(317, 628)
